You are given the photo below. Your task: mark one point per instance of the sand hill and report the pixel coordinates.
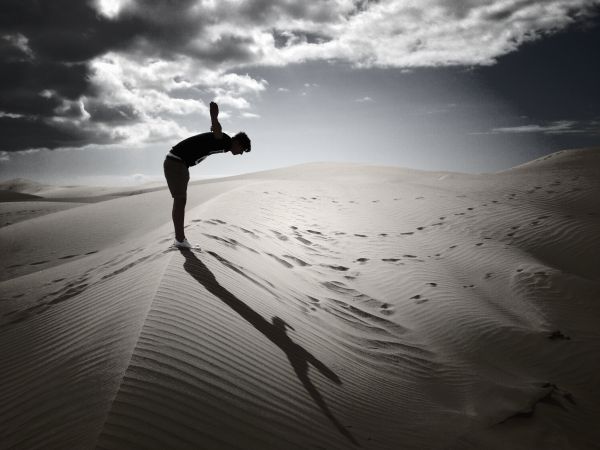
(329, 306)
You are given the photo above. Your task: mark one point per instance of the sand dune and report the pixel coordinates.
(330, 306)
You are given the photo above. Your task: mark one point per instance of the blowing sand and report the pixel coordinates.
(330, 306)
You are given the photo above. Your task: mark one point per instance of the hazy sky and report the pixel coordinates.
(98, 91)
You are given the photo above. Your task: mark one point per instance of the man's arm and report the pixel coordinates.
(216, 126)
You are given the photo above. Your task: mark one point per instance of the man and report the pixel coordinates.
(190, 152)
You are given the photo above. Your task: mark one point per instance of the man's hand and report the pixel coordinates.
(214, 110)
(216, 126)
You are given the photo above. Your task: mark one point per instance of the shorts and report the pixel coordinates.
(177, 175)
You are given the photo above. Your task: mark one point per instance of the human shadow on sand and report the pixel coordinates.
(275, 332)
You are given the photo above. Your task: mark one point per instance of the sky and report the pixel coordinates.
(98, 91)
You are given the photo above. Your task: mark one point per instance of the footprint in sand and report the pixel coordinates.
(385, 309)
(360, 235)
(418, 299)
(279, 260)
(407, 233)
(251, 233)
(558, 335)
(488, 275)
(68, 256)
(280, 236)
(296, 260)
(304, 241)
(361, 260)
(432, 284)
(341, 268)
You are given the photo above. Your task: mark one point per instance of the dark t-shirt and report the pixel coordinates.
(194, 149)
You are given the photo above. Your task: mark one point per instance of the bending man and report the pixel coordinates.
(190, 152)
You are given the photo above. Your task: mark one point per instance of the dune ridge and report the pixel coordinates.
(330, 306)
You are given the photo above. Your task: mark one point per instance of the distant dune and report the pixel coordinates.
(329, 306)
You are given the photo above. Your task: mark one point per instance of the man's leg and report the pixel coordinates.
(177, 175)
(178, 216)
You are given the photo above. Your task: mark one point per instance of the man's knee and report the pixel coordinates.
(180, 200)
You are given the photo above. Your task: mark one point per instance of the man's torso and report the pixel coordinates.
(195, 148)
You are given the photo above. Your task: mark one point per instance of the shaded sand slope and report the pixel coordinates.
(330, 307)
(65, 193)
(17, 211)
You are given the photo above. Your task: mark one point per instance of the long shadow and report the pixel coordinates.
(275, 332)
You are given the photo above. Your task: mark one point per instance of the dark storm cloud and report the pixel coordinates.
(111, 114)
(74, 31)
(24, 133)
(45, 46)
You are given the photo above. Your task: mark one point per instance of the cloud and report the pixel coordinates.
(555, 127)
(99, 71)
(249, 115)
(364, 99)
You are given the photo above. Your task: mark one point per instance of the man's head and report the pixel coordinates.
(240, 143)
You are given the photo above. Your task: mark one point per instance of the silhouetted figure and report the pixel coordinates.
(298, 356)
(190, 152)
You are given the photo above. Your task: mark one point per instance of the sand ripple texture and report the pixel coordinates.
(327, 307)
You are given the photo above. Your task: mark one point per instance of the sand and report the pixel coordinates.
(328, 306)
